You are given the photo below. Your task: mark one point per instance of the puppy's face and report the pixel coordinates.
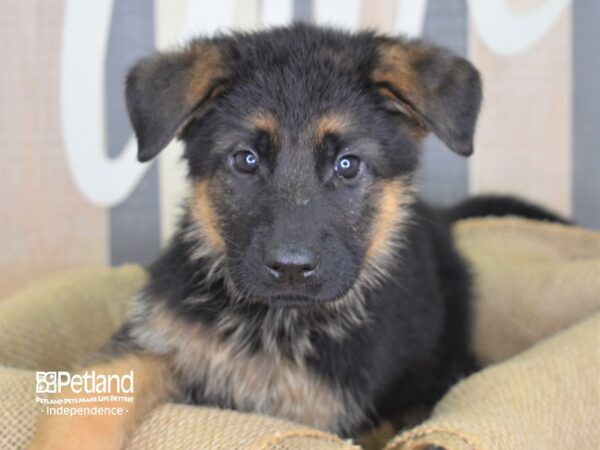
(301, 144)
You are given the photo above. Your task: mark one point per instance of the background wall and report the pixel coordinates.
(73, 194)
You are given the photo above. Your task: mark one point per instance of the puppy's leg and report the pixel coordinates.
(152, 384)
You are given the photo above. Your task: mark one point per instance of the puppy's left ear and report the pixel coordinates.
(163, 92)
(436, 89)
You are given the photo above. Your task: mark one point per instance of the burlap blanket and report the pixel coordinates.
(537, 327)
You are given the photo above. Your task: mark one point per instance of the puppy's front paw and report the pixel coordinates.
(75, 433)
(104, 421)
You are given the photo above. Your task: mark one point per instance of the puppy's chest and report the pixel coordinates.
(219, 364)
(262, 382)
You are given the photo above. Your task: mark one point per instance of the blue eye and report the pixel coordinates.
(348, 166)
(245, 161)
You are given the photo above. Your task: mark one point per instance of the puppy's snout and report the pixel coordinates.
(291, 265)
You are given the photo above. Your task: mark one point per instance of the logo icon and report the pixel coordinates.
(46, 382)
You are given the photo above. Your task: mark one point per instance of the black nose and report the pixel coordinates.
(291, 265)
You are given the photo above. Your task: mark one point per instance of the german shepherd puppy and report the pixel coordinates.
(306, 280)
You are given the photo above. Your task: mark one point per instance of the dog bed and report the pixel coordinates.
(537, 329)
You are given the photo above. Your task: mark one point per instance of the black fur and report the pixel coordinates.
(391, 344)
(414, 346)
(500, 206)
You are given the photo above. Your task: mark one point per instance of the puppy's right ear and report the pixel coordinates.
(165, 90)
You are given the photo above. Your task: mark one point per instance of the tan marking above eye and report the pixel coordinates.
(265, 121)
(330, 123)
(206, 216)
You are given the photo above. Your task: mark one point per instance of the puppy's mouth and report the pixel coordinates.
(293, 301)
(298, 301)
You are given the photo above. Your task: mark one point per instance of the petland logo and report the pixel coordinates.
(89, 382)
(84, 394)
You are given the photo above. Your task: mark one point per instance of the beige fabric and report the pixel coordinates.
(206, 428)
(546, 398)
(61, 320)
(532, 280)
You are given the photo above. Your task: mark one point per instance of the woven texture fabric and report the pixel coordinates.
(531, 280)
(545, 398)
(59, 322)
(189, 427)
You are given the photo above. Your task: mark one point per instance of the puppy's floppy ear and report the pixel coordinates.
(437, 89)
(164, 91)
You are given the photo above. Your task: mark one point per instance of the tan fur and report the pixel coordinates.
(207, 68)
(395, 67)
(151, 386)
(418, 128)
(266, 121)
(206, 216)
(330, 123)
(264, 382)
(388, 218)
